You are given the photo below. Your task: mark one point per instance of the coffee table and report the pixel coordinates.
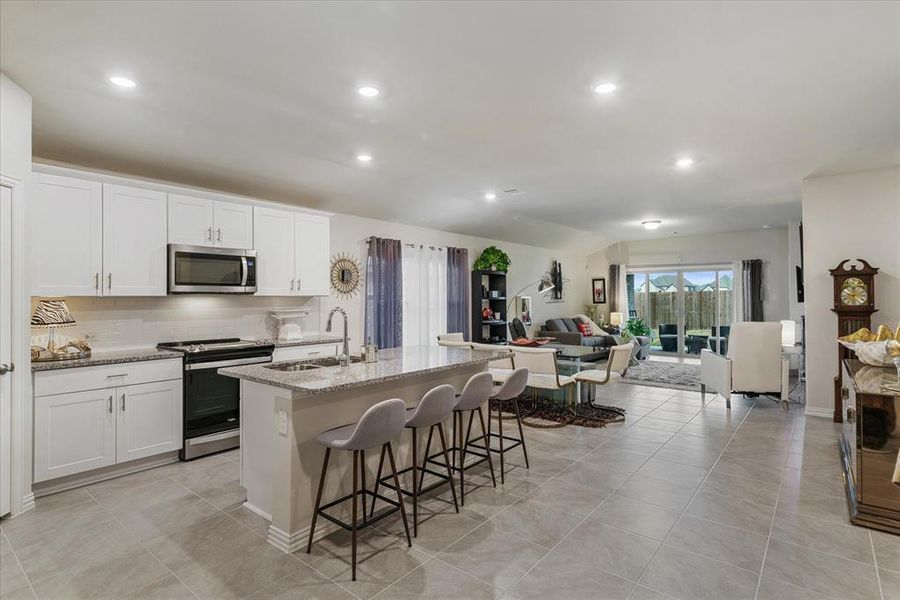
(575, 357)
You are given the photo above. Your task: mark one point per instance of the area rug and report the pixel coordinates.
(550, 414)
(656, 373)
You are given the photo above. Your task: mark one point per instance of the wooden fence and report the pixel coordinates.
(699, 309)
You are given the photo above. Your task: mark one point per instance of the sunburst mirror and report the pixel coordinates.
(345, 275)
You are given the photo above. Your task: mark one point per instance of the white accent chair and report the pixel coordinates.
(452, 340)
(543, 372)
(502, 368)
(754, 363)
(616, 366)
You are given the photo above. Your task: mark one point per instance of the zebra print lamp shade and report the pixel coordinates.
(51, 314)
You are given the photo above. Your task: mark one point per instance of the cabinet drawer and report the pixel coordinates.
(91, 378)
(301, 352)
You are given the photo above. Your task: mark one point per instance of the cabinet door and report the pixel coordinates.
(73, 433)
(233, 225)
(273, 231)
(66, 220)
(312, 256)
(149, 419)
(190, 220)
(134, 241)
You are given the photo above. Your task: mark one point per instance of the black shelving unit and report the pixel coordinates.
(489, 290)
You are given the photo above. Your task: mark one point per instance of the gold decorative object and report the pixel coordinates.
(345, 275)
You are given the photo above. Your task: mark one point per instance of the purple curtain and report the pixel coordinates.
(384, 293)
(458, 291)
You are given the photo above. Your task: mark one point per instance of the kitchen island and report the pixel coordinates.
(283, 409)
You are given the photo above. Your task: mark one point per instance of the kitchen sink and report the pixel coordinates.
(310, 364)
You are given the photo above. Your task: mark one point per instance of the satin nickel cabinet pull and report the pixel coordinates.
(209, 233)
(96, 281)
(123, 402)
(110, 404)
(298, 284)
(109, 281)
(218, 234)
(292, 285)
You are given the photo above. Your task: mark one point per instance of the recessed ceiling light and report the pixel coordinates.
(605, 88)
(364, 158)
(368, 91)
(122, 81)
(490, 196)
(766, 226)
(651, 225)
(685, 162)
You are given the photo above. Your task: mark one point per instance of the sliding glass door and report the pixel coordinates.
(687, 309)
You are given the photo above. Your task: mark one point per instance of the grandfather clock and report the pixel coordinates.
(854, 303)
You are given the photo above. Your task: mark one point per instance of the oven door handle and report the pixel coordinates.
(227, 363)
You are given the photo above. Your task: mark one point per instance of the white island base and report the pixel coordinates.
(281, 462)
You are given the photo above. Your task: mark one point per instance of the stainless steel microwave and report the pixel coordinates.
(203, 270)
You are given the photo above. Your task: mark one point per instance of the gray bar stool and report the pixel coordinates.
(377, 427)
(436, 405)
(476, 392)
(510, 391)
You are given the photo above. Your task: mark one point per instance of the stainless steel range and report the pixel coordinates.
(212, 401)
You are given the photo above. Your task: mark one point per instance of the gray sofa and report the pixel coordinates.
(565, 330)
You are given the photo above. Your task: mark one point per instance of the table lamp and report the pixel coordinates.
(616, 318)
(52, 315)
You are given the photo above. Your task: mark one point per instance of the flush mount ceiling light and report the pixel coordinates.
(685, 162)
(651, 225)
(364, 158)
(122, 81)
(490, 196)
(605, 88)
(368, 91)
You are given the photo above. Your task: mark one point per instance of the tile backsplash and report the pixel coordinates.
(123, 323)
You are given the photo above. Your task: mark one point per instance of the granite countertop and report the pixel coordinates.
(393, 364)
(307, 340)
(108, 357)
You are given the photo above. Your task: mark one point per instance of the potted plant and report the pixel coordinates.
(492, 258)
(636, 328)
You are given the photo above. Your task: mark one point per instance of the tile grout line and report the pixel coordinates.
(762, 566)
(21, 568)
(875, 558)
(141, 544)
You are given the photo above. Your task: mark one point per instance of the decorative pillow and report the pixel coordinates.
(586, 329)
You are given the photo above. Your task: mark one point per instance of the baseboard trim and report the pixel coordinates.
(290, 543)
(70, 482)
(27, 503)
(258, 511)
(822, 413)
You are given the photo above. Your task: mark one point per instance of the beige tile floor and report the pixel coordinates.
(681, 501)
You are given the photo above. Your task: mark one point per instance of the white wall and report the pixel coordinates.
(15, 168)
(769, 245)
(846, 216)
(528, 263)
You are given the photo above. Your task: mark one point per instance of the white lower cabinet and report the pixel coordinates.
(81, 430)
(149, 419)
(73, 433)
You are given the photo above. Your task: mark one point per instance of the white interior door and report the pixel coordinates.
(5, 350)
(134, 241)
(149, 419)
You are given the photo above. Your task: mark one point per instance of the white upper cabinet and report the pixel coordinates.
(233, 225)
(134, 241)
(190, 220)
(312, 249)
(66, 220)
(273, 230)
(205, 222)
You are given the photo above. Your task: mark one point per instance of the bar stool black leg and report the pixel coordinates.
(487, 444)
(440, 427)
(399, 493)
(362, 470)
(426, 455)
(521, 434)
(415, 481)
(462, 456)
(500, 426)
(312, 527)
(355, 501)
(377, 480)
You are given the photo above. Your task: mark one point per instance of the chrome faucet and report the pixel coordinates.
(344, 359)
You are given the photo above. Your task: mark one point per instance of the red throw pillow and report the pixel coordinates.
(585, 329)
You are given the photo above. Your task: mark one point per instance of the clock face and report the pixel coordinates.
(854, 292)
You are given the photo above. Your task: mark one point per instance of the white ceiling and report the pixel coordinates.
(259, 99)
